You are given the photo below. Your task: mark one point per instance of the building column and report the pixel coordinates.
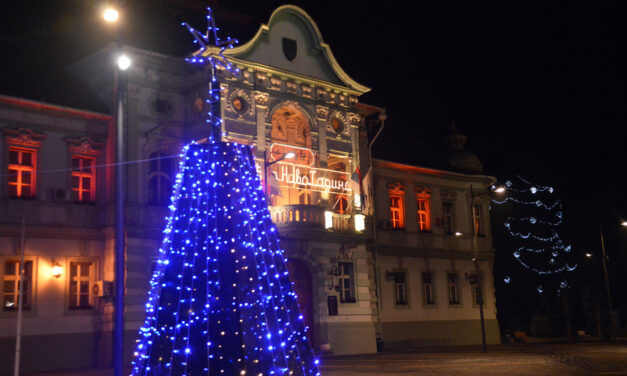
(261, 105)
(322, 114)
(411, 207)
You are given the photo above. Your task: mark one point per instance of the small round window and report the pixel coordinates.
(337, 125)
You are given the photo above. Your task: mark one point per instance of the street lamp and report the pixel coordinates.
(475, 260)
(123, 63)
(267, 164)
(604, 258)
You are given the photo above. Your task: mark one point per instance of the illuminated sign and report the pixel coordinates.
(314, 179)
(303, 156)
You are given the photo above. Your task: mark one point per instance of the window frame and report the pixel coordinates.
(400, 210)
(20, 168)
(32, 310)
(159, 174)
(448, 226)
(93, 278)
(473, 291)
(448, 288)
(80, 174)
(426, 212)
(434, 301)
(476, 212)
(406, 288)
(351, 281)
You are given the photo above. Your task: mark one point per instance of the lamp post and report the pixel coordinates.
(382, 118)
(123, 62)
(475, 259)
(607, 282)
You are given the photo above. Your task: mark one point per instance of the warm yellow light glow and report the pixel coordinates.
(110, 15)
(500, 189)
(458, 233)
(328, 219)
(360, 222)
(624, 223)
(588, 255)
(57, 270)
(290, 155)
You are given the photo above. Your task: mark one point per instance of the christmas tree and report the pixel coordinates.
(532, 223)
(221, 301)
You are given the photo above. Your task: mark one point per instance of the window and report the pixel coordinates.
(345, 279)
(427, 288)
(160, 178)
(476, 286)
(400, 288)
(397, 219)
(424, 221)
(83, 178)
(81, 281)
(22, 170)
(453, 289)
(476, 214)
(447, 217)
(340, 204)
(11, 285)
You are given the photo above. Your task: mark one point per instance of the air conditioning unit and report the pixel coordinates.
(61, 194)
(102, 289)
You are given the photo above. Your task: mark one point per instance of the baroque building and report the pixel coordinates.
(355, 286)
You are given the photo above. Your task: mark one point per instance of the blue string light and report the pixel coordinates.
(540, 248)
(220, 299)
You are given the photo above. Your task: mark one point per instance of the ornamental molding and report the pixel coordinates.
(84, 146)
(353, 119)
(396, 188)
(246, 97)
(423, 191)
(322, 112)
(261, 98)
(342, 118)
(23, 136)
(448, 194)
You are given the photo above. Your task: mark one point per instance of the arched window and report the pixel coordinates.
(160, 172)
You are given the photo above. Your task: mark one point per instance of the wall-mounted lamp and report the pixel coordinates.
(360, 222)
(57, 269)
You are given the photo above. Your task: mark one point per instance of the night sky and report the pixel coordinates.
(537, 87)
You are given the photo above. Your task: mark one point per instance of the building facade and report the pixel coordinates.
(425, 249)
(291, 96)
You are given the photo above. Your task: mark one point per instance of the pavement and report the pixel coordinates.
(502, 360)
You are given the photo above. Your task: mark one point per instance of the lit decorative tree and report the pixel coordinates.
(221, 301)
(536, 244)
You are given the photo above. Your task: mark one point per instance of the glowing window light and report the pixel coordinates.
(360, 222)
(328, 219)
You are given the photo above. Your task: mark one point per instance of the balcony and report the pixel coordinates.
(309, 216)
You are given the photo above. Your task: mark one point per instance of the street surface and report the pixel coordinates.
(505, 360)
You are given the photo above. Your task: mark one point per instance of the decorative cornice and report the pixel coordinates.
(423, 191)
(448, 194)
(23, 136)
(322, 112)
(396, 188)
(353, 119)
(261, 98)
(84, 145)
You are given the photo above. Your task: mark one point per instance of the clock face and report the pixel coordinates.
(337, 125)
(239, 104)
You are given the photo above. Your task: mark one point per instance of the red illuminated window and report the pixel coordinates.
(83, 178)
(22, 170)
(11, 285)
(397, 217)
(424, 222)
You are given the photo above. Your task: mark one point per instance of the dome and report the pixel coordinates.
(459, 159)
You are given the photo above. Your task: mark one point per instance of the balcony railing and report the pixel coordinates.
(309, 216)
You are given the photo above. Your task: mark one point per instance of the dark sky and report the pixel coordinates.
(537, 87)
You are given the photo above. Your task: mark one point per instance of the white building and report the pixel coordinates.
(291, 96)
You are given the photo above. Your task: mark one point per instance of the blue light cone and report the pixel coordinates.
(221, 301)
